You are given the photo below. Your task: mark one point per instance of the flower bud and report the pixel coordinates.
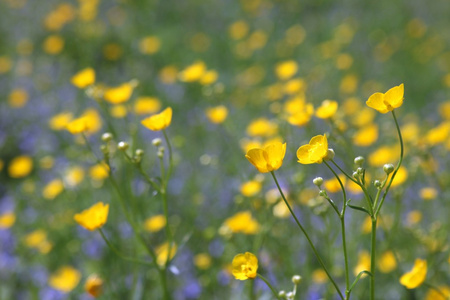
(318, 181)
(282, 294)
(330, 154)
(94, 286)
(296, 279)
(322, 193)
(377, 184)
(359, 170)
(290, 295)
(156, 142)
(355, 175)
(359, 160)
(388, 168)
(160, 153)
(106, 137)
(139, 152)
(122, 146)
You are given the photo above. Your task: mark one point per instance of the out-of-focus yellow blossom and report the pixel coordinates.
(65, 279)
(112, 51)
(89, 122)
(262, 127)
(432, 294)
(314, 152)
(202, 261)
(53, 44)
(400, 177)
(383, 155)
(7, 220)
(349, 84)
(99, 171)
(60, 121)
(444, 110)
(274, 92)
(363, 263)
(155, 223)
(299, 112)
(414, 217)
(319, 276)
(162, 252)
(247, 144)
(238, 30)
(2, 164)
(327, 109)
(94, 285)
(388, 101)
(159, 121)
(438, 134)
(5, 64)
(56, 19)
(353, 187)
(280, 210)
(209, 77)
(257, 40)
(38, 240)
(332, 185)
(387, 262)
(168, 74)
(149, 45)
(267, 159)
(416, 28)
(74, 176)
(83, 78)
(53, 189)
(364, 117)
(20, 166)
(200, 42)
(193, 72)
(344, 61)
(251, 188)
(121, 93)
(366, 227)
(88, 10)
(428, 193)
(242, 222)
(416, 276)
(294, 86)
(18, 98)
(217, 114)
(352, 106)
(47, 162)
(94, 217)
(146, 105)
(286, 69)
(245, 266)
(366, 136)
(118, 111)
(295, 35)
(410, 132)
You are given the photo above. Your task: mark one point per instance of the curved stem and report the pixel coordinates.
(307, 237)
(274, 291)
(372, 257)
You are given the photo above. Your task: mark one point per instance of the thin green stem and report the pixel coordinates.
(307, 237)
(372, 257)
(274, 291)
(170, 154)
(358, 278)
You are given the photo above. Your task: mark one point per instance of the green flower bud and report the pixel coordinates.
(322, 193)
(139, 152)
(318, 181)
(156, 142)
(296, 279)
(359, 170)
(122, 146)
(355, 175)
(330, 154)
(359, 160)
(388, 168)
(282, 294)
(106, 137)
(377, 184)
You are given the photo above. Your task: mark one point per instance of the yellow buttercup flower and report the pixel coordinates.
(94, 217)
(245, 266)
(267, 159)
(83, 78)
(387, 262)
(7, 220)
(202, 261)
(193, 72)
(416, 276)
(162, 252)
(241, 222)
(262, 127)
(250, 188)
(155, 223)
(217, 114)
(53, 189)
(20, 166)
(65, 279)
(435, 295)
(366, 136)
(60, 121)
(363, 263)
(286, 69)
(94, 286)
(388, 101)
(119, 94)
(146, 105)
(89, 122)
(327, 109)
(314, 152)
(159, 121)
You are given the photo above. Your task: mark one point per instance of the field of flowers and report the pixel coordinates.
(208, 149)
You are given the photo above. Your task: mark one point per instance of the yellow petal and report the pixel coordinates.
(376, 101)
(416, 276)
(394, 97)
(256, 158)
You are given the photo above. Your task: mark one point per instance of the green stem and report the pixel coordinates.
(274, 291)
(372, 257)
(307, 237)
(170, 154)
(358, 278)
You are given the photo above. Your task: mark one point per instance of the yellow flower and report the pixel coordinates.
(428, 193)
(162, 252)
(83, 78)
(319, 276)
(217, 114)
(250, 188)
(53, 189)
(314, 152)
(159, 121)
(20, 166)
(7, 220)
(387, 262)
(327, 109)
(53, 44)
(366, 136)
(202, 261)
(149, 44)
(245, 266)
(363, 263)
(155, 223)
(94, 285)
(94, 217)
(434, 295)
(89, 122)
(332, 185)
(38, 240)
(286, 69)
(388, 101)
(65, 279)
(146, 105)
(74, 176)
(416, 276)
(438, 134)
(99, 171)
(242, 222)
(268, 159)
(118, 111)
(400, 177)
(209, 77)
(262, 127)
(238, 30)
(18, 98)
(119, 94)
(60, 121)
(193, 72)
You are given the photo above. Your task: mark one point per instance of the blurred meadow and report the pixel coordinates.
(81, 79)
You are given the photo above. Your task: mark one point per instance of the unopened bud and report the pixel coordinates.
(359, 171)
(122, 146)
(296, 279)
(377, 183)
(318, 181)
(330, 154)
(282, 294)
(290, 295)
(156, 142)
(388, 168)
(355, 175)
(322, 193)
(139, 152)
(160, 153)
(106, 137)
(359, 160)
